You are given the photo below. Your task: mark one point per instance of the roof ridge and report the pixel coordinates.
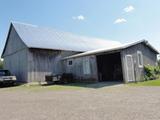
(16, 22)
(66, 32)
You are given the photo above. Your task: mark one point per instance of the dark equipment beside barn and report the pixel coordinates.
(64, 78)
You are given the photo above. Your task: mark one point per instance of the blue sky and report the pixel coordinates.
(120, 20)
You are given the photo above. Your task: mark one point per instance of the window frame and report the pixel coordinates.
(140, 59)
(86, 66)
(68, 62)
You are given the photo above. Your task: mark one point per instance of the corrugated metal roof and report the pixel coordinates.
(113, 48)
(46, 38)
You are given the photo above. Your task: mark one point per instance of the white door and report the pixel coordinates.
(130, 68)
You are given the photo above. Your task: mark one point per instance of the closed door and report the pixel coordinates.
(130, 68)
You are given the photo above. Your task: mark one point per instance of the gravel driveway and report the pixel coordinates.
(106, 103)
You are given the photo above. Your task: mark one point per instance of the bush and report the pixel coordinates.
(151, 72)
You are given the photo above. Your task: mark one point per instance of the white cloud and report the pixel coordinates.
(120, 20)
(80, 17)
(129, 8)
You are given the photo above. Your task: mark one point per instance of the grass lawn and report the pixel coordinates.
(147, 83)
(56, 87)
(44, 88)
(75, 86)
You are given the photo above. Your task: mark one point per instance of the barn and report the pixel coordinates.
(124, 63)
(32, 52)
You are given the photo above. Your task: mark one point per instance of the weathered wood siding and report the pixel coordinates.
(45, 62)
(17, 64)
(31, 65)
(78, 71)
(14, 43)
(149, 57)
(15, 56)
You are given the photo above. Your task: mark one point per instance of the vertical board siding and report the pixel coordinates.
(45, 62)
(77, 68)
(14, 43)
(17, 64)
(15, 56)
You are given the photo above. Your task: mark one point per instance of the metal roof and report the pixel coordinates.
(120, 47)
(47, 38)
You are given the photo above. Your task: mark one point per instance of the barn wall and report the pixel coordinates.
(14, 43)
(149, 57)
(78, 71)
(15, 56)
(17, 64)
(45, 62)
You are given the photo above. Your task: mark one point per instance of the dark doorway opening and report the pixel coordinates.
(110, 67)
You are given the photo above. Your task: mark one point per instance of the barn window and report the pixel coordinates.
(86, 66)
(140, 58)
(70, 62)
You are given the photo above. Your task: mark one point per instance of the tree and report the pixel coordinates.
(158, 60)
(1, 63)
(159, 63)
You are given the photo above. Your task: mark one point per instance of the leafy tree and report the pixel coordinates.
(159, 60)
(1, 63)
(159, 63)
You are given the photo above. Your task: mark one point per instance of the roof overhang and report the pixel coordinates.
(114, 49)
(2, 55)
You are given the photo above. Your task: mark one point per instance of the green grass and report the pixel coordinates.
(147, 83)
(70, 86)
(73, 86)
(37, 88)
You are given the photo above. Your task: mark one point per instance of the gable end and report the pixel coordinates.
(13, 43)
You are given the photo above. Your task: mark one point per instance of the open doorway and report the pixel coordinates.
(110, 67)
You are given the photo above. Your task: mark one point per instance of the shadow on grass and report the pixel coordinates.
(65, 86)
(88, 85)
(10, 85)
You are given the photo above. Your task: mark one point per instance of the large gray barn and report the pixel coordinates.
(32, 52)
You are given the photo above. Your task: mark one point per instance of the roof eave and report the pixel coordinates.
(114, 49)
(145, 42)
(55, 49)
(149, 45)
(10, 27)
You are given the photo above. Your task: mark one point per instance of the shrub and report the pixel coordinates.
(151, 72)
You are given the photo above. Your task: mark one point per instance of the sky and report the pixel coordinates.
(119, 20)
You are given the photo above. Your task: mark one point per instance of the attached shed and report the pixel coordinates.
(32, 52)
(123, 63)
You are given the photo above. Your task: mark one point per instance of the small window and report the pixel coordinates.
(140, 58)
(70, 62)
